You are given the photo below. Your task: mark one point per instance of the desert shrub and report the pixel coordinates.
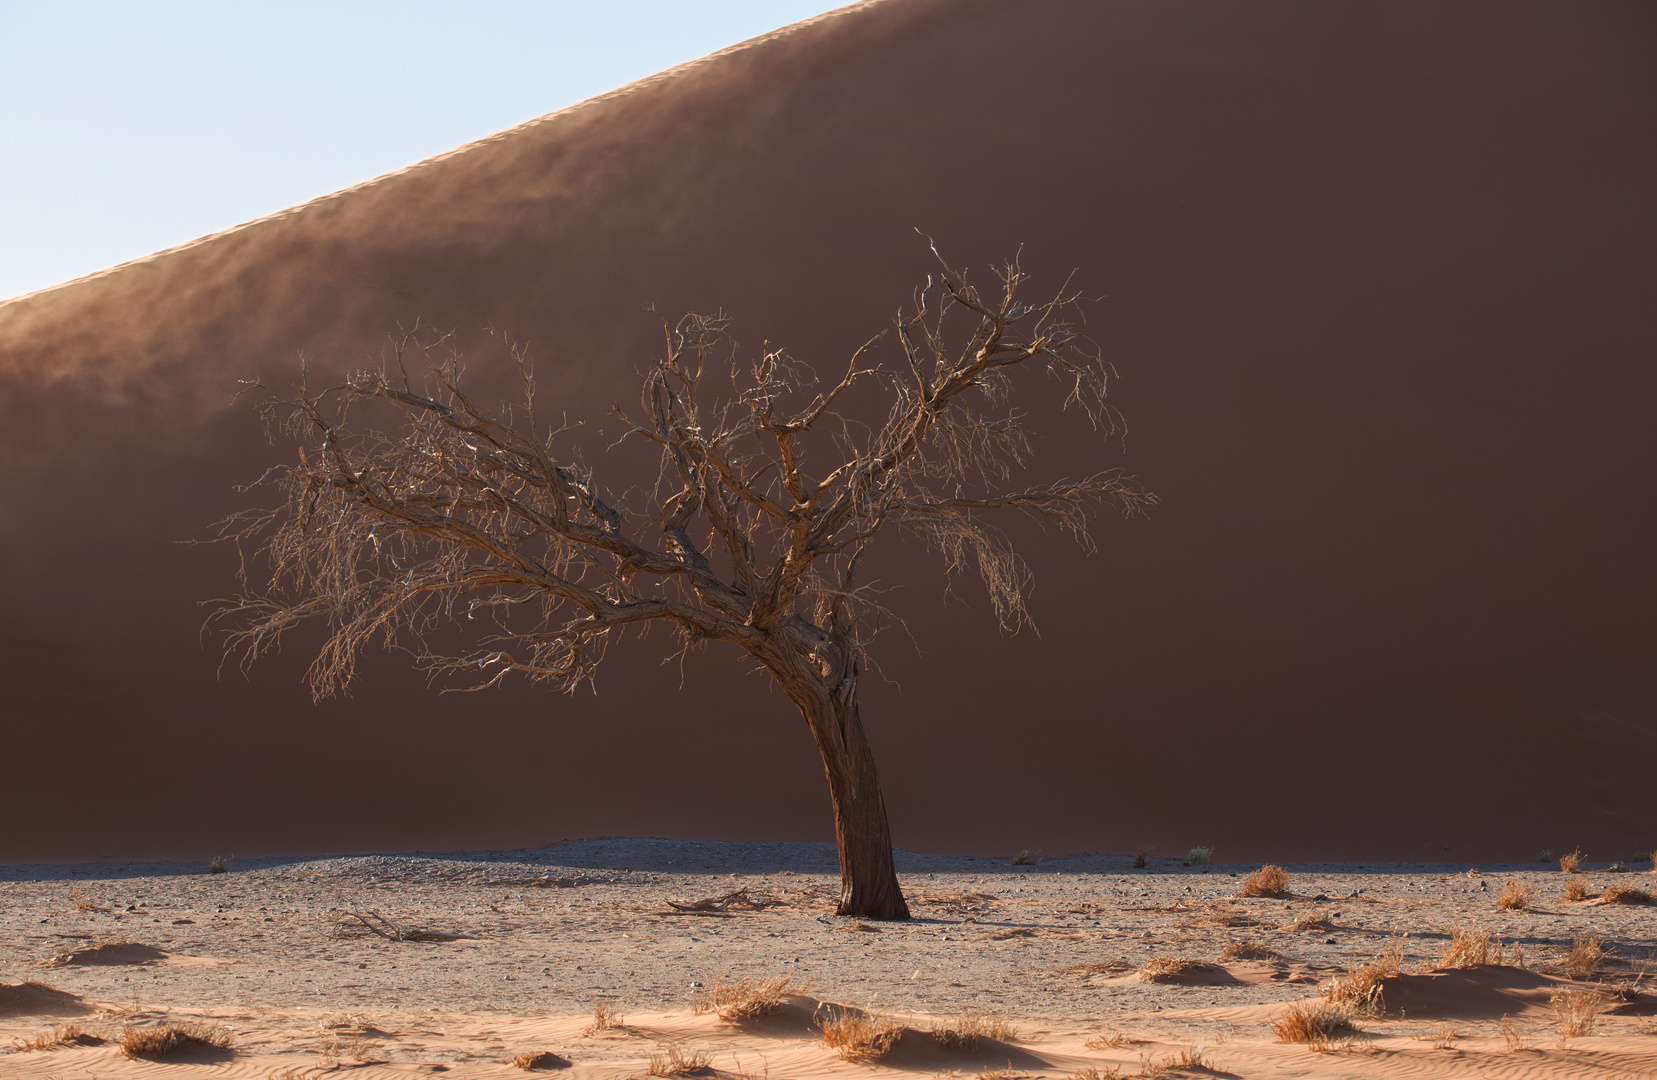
(531, 1060)
(1584, 959)
(1545, 855)
(1625, 894)
(1360, 988)
(218, 865)
(73, 1034)
(1576, 1010)
(1166, 968)
(1515, 896)
(1093, 1072)
(169, 1039)
(860, 1036)
(965, 1031)
(1106, 1040)
(745, 999)
(1199, 856)
(1315, 920)
(1575, 889)
(1571, 862)
(1142, 858)
(606, 1017)
(678, 1063)
(1515, 1036)
(1469, 946)
(1024, 858)
(1269, 880)
(1249, 950)
(1444, 1038)
(1313, 1023)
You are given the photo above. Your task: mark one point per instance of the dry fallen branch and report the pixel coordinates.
(738, 900)
(358, 923)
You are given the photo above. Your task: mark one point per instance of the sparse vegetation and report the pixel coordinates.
(1468, 947)
(1189, 1058)
(1313, 1023)
(965, 1031)
(1316, 920)
(1199, 856)
(1269, 881)
(1360, 988)
(1106, 1040)
(1576, 1011)
(860, 1036)
(1142, 857)
(1094, 1072)
(1571, 862)
(83, 903)
(745, 999)
(530, 1060)
(1515, 1036)
(1545, 855)
(1625, 894)
(1586, 955)
(1515, 896)
(73, 1034)
(1167, 969)
(1024, 858)
(606, 1017)
(1575, 889)
(218, 866)
(1249, 950)
(169, 1039)
(1444, 1037)
(677, 1062)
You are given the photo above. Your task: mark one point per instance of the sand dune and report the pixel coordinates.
(1375, 278)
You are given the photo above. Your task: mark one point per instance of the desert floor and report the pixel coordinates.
(271, 953)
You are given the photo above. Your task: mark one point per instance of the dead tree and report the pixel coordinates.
(773, 487)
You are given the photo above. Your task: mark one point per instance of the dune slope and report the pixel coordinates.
(1376, 279)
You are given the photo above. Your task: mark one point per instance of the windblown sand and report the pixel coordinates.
(521, 945)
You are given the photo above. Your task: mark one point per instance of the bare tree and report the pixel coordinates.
(771, 491)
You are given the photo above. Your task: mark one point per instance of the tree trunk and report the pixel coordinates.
(868, 879)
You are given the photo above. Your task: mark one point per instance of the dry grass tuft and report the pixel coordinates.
(606, 1017)
(1515, 896)
(1107, 1040)
(1189, 1058)
(169, 1039)
(745, 999)
(531, 1060)
(1583, 961)
(83, 903)
(860, 1036)
(678, 1063)
(74, 1034)
(1166, 968)
(1571, 862)
(965, 1031)
(1269, 880)
(1515, 1036)
(1024, 858)
(1313, 1023)
(1316, 921)
(1006, 1072)
(1249, 950)
(1445, 1037)
(1577, 1010)
(1468, 947)
(1625, 894)
(1142, 858)
(1575, 889)
(1093, 1072)
(1360, 988)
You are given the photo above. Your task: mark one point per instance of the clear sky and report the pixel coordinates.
(129, 126)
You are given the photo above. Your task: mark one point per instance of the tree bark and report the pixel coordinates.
(868, 879)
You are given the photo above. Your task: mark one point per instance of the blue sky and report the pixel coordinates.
(126, 128)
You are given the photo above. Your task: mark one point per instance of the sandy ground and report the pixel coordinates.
(545, 935)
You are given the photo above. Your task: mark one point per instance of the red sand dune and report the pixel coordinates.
(1378, 281)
